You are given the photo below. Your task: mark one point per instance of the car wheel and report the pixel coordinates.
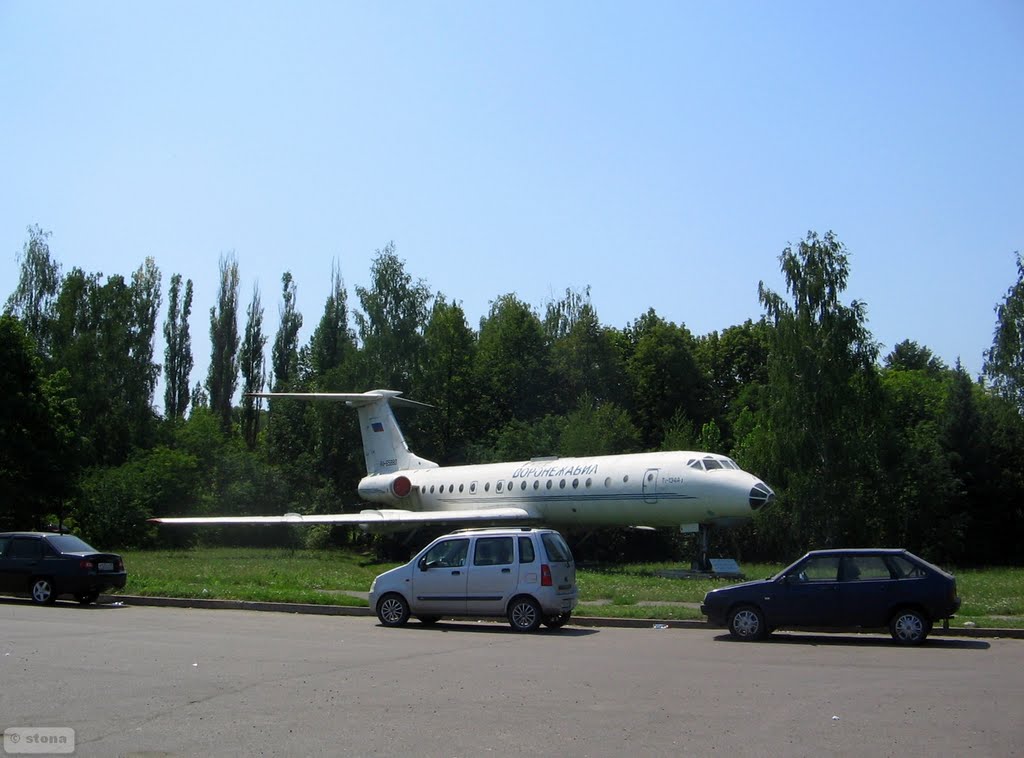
(392, 610)
(87, 597)
(747, 623)
(428, 620)
(524, 614)
(43, 591)
(555, 622)
(909, 627)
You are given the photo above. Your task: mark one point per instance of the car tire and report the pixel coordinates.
(43, 591)
(87, 597)
(747, 623)
(428, 620)
(909, 626)
(393, 610)
(524, 614)
(558, 621)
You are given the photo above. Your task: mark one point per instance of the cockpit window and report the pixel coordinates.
(695, 463)
(711, 464)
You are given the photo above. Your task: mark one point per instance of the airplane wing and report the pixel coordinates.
(372, 517)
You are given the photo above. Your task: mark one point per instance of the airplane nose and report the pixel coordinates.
(761, 495)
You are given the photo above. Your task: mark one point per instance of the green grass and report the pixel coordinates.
(992, 597)
(274, 575)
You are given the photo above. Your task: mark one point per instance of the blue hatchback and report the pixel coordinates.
(868, 588)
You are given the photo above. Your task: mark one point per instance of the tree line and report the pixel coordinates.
(900, 450)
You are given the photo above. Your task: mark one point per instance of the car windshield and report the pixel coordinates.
(69, 543)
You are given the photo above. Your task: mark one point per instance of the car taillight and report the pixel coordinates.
(119, 565)
(86, 565)
(545, 575)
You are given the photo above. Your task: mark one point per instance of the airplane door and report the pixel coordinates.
(440, 579)
(650, 485)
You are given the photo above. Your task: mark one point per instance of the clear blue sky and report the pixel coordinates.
(661, 153)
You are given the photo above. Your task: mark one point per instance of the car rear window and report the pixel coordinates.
(69, 543)
(556, 548)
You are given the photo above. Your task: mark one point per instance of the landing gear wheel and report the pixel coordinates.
(392, 610)
(524, 614)
(747, 623)
(43, 591)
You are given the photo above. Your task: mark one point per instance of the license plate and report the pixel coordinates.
(106, 567)
(566, 605)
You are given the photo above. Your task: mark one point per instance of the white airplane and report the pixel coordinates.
(690, 490)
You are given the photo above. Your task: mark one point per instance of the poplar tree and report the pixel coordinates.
(35, 297)
(1004, 361)
(222, 378)
(286, 343)
(254, 374)
(178, 351)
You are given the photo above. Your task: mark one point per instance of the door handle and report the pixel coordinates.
(456, 572)
(506, 571)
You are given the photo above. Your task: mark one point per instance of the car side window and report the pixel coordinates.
(822, 568)
(4, 541)
(493, 551)
(447, 554)
(904, 569)
(864, 567)
(25, 549)
(526, 552)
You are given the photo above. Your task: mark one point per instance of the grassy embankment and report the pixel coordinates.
(992, 597)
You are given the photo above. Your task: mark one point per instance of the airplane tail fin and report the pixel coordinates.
(384, 447)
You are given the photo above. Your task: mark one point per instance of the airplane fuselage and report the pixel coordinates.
(648, 489)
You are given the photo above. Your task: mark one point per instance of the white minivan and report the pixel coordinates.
(524, 574)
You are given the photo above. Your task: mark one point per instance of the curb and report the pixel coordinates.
(598, 621)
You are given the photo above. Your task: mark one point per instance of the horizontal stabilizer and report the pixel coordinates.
(382, 517)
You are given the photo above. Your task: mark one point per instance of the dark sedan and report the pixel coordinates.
(44, 565)
(868, 588)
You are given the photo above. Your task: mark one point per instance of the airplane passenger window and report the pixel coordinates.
(431, 489)
(523, 485)
(549, 484)
(487, 487)
(625, 479)
(499, 486)
(536, 483)
(607, 481)
(589, 482)
(575, 483)
(561, 485)
(460, 487)
(472, 487)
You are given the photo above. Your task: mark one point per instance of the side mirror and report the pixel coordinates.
(422, 563)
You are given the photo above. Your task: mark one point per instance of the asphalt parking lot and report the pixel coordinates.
(152, 681)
